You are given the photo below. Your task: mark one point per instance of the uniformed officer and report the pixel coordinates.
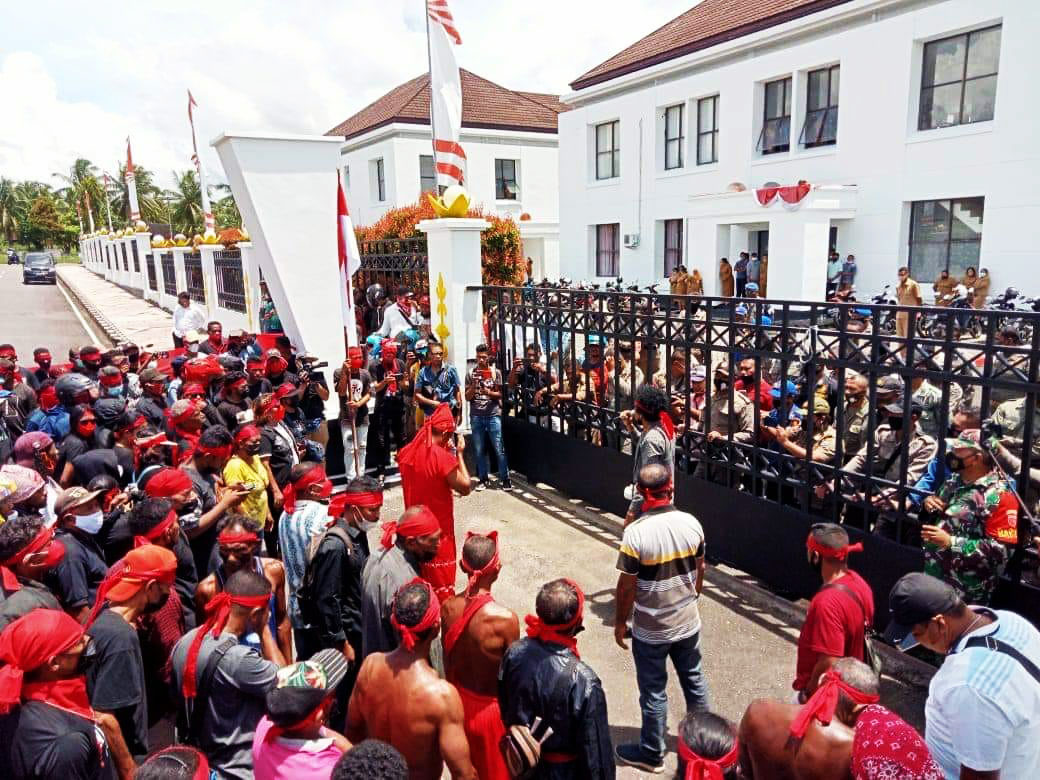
(972, 523)
(943, 286)
(738, 420)
(855, 413)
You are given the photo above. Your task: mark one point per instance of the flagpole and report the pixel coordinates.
(108, 205)
(131, 188)
(210, 223)
(433, 124)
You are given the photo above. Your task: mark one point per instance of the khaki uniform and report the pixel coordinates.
(930, 398)
(943, 287)
(855, 429)
(981, 291)
(741, 421)
(695, 285)
(1011, 417)
(824, 444)
(726, 281)
(920, 451)
(673, 282)
(763, 277)
(908, 293)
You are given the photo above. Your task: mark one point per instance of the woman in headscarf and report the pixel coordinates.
(726, 281)
(695, 284)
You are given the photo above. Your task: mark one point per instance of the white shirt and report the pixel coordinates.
(185, 319)
(395, 323)
(983, 708)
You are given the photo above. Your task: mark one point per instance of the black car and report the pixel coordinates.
(39, 267)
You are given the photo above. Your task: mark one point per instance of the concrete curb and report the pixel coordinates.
(895, 664)
(110, 330)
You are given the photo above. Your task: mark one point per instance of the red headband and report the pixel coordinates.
(168, 482)
(48, 398)
(28, 643)
(244, 537)
(422, 523)
(476, 574)
(246, 432)
(110, 380)
(202, 763)
(699, 768)
(217, 452)
(824, 702)
(663, 419)
(121, 571)
(652, 499)
(41, 540)
(315, 476)
(827, 552)
(538, 629)
(410, 634)
(42, 356)
(151, 441)
(217, 611)
(338, 505)
(153, 534)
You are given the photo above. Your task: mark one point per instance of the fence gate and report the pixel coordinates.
(231, 290)
(149, 261)
(393, 263)
(193, 275)
(169, 271)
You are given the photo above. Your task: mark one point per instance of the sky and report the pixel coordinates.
(76, 78)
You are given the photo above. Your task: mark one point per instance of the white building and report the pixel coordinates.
(914, 121)
(512, 162)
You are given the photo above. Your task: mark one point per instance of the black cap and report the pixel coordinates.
(896, 408)
(916, 598)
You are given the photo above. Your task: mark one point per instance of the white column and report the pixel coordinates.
(209, 279)
(798, 256)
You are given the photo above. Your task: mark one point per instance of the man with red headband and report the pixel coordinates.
(215, 499)
(225, 680)
(430, 471)
(656, 443)
(388, 385)
(153, 403)
(839, 613)
(256, 370)
(353, 383)
(400, 699)
(42, 358)
(234, 398)
(406, 545)
(542, 677)
(661, 565)
(55, 733)
(477, 631)
(138, 585)
(28, 551)
(708, 747)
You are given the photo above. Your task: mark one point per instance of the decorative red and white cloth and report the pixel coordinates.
(445, 94)
(886, 747)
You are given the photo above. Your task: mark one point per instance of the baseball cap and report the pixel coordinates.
(792, 389)
(820, 406)
(970, 439)
(698, 373)
(753, 286)
(28, 444)
(72, 497)
(237, 333)
(152, 375)
(896, 408)
(916, 598)
(302, 686)
(890, 383)
(27, 481)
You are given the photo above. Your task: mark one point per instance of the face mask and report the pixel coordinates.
(852, 397)
(193, 349)
(86, 658)
(189, 507)
(253, 449)
(86, 429)
(277, 415)
(91, 523)
(954, 462)
(114, 392)
(721, 384)
(895, 423)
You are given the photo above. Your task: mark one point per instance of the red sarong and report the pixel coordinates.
(482, 722)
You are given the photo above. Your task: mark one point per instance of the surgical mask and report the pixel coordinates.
(114, 392)
(367, 525)
(91, 523)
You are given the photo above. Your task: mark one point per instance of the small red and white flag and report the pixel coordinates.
(349, 264)
(445, 94)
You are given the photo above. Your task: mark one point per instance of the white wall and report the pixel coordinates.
(401, 145)
(879, 150)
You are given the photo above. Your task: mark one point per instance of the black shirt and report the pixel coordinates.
(277, 449)
(117, 462)
(311, 405)
(76, 578)
(154, 410)
(357, 388)
(32, 595)
(335, 613)
(204, 545)
(391, 392)
(47, 743)
(229, 410)
(71, 447)
(288, 376)
(115, 682)
(528, 382)
(257, 389)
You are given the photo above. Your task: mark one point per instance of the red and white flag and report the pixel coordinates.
(207, 212)
(131, 185)
(349, 263)
(445, 94)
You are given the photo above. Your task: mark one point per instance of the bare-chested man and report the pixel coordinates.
(238, 541)
(477, 632)
(399, 698)
(770, 748)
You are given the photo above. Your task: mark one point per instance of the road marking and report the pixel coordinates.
(75, 310)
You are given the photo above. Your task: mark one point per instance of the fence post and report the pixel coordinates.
(209, 278)
(456, 313)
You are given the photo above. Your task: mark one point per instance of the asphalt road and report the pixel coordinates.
(37, 315)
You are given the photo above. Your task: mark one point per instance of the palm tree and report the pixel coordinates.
(185, 203)
(149, 196)
(82, 179)
(8, 213)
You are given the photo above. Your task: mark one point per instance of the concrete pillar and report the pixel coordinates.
(798, 246)
(738, 242)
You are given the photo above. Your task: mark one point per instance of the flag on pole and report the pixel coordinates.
(349, 263)
(207, 213)
(131, 185)
(445, 93)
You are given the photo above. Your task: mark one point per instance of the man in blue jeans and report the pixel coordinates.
(661, 561)
(484, 393)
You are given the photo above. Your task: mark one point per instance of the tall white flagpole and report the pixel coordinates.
(207, 212)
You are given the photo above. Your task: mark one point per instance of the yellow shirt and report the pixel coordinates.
(238, 471)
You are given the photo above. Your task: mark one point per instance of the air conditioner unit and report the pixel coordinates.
(631, 240)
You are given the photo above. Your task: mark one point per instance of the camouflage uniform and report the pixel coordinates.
(982, 518)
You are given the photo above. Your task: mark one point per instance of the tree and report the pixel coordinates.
(82, 180)
(43, 223)
(149, 196)
(225, 210)
(8, 210)
(185, 203)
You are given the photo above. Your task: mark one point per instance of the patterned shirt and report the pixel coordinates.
(295, 532)
(886, 747)
(982, 518)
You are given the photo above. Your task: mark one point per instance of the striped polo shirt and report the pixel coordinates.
(661, 549)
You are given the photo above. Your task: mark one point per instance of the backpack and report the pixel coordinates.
(521, 749)
(306, 597)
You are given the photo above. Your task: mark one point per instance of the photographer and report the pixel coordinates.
(535, 385)
(388, 380)
(484, 393)
(314, 392)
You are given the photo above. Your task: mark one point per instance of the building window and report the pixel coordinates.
(776, 117)
(608, 249)
(821, 108)
(346, 178)
(427, 174)
(380, 181)
(959, 79)
(608, 150)
(672, 245)
(708, 130)
(673, 137)
(505, 180)
(945, 235)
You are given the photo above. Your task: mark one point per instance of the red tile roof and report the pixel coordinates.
(484, 105)
(708, 23)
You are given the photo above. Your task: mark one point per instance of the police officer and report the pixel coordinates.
(971, 525)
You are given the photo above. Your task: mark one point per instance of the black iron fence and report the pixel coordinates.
(231, 291)
(193, 275)
(169, 271)
(137, 259)
(783, 408)
(393, 263)
(149, 261)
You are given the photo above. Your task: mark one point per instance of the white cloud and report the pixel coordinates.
(76, 79)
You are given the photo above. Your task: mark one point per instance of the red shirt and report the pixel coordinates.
(426, 482)
(765, 392)
(833, 626)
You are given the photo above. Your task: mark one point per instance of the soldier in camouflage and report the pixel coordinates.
(975, 522)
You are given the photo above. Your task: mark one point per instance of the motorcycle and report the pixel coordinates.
(12, 257)
(887, 317)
